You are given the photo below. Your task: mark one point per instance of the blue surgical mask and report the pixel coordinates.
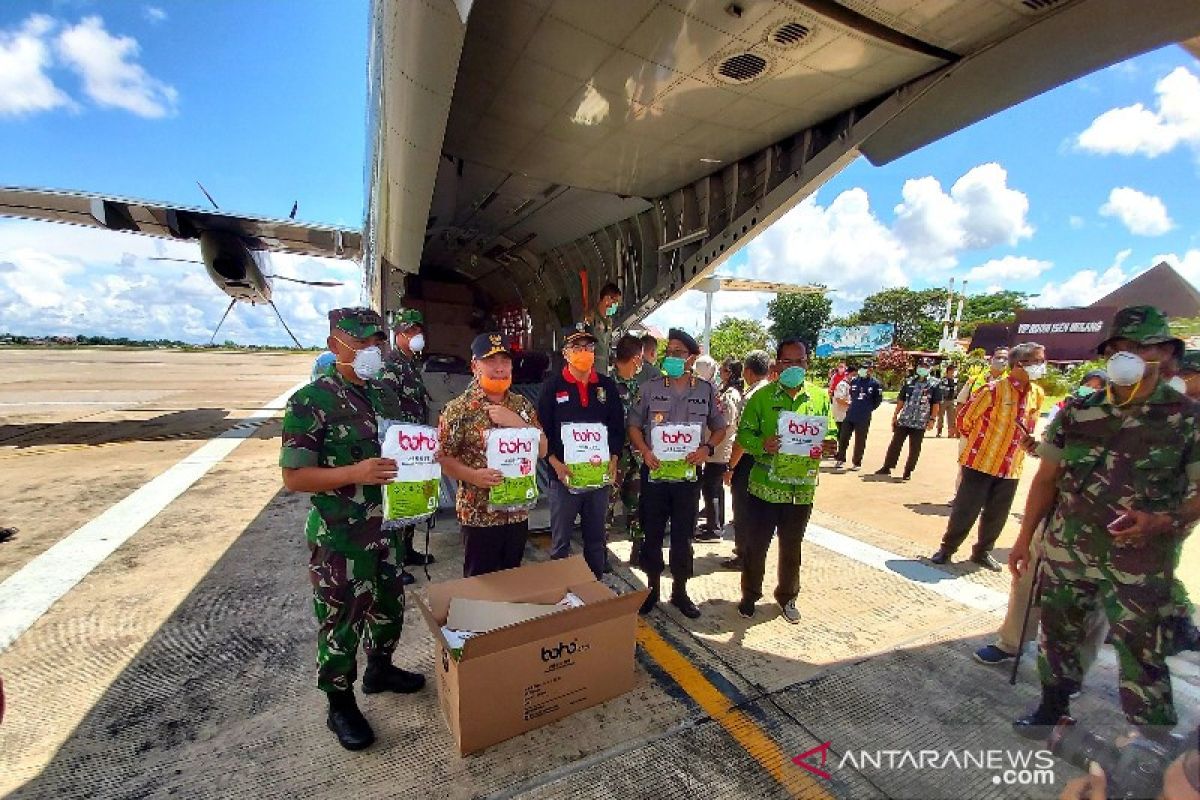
(862, 373)
(792, 377)
(922, 372)
(673, 366)
(611, 311)
(1084, 391)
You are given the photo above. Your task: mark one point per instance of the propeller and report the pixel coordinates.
(306, 283)
(295, 208)
(180, 260)
(209, 196)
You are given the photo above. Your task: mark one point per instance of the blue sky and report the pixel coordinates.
(1067, 195)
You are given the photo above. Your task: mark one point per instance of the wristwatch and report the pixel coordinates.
(711, 450)
(1179, 523)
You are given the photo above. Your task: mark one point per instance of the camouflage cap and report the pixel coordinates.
(1190, 362)
(361, 323)
(405, 318)
(1141, 324)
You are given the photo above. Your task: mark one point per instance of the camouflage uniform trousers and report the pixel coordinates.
(1136, 611)
(357, 595)
(628, 489)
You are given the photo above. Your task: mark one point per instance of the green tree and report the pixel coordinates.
(734, 337)
(996, 307)
(799, 316)
(914, 313)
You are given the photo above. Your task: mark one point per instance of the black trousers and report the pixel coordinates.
(983, 497)
(492, 548)
(915, 437)
(860, 430)
(765, 519)
(677, 502)
(712, 487)
(740, 491)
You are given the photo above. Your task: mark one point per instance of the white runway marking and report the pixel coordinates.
(69, 403)
(28, 593)
(946, 584)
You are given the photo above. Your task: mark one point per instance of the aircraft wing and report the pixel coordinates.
(178, 222)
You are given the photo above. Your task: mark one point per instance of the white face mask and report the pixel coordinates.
(1125, 369)
(417, 343)
(1178, 384)
(368, 362)
(1036, 371)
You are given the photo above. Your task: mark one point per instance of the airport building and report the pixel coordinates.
(1072, 334)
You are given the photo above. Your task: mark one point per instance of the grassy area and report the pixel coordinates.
(1051, 401)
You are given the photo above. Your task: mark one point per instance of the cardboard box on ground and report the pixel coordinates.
(539, 667)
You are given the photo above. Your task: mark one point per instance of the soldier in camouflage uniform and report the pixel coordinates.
(1189, 373)
(628, 487)
(331, 449)
(1121, 470)
(407, 400)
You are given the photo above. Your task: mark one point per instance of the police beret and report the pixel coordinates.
(683, 336)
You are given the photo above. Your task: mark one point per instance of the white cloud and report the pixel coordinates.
(1085, 286)
(851, 250)
(1076, 222)
(1188, 265)
(25, 88)
(154, 14)
(979, 212)
(64, 280)
(111, 75)
(1142, 214)
(1136, 129)
(1008, 268)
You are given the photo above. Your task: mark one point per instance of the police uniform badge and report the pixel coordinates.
(601, 395)
(659, 417)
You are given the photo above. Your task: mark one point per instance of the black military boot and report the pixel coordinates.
(1038, 724)
(651, 599)
(680, 599)
(347, 722)
(382, 676)
(411, 557)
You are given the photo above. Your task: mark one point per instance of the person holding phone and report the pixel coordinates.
(1120, 480)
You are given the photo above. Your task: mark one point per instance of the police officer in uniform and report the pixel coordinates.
(331, 450)
(407, 400)
(677, 398)
(1120, 482)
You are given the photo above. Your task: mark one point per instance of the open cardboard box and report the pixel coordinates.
(521, 676)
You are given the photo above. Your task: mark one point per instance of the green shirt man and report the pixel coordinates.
(776, 505)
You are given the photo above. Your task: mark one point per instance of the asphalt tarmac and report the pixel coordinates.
(156, 634)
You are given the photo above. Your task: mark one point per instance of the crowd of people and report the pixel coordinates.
(1114, 495)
